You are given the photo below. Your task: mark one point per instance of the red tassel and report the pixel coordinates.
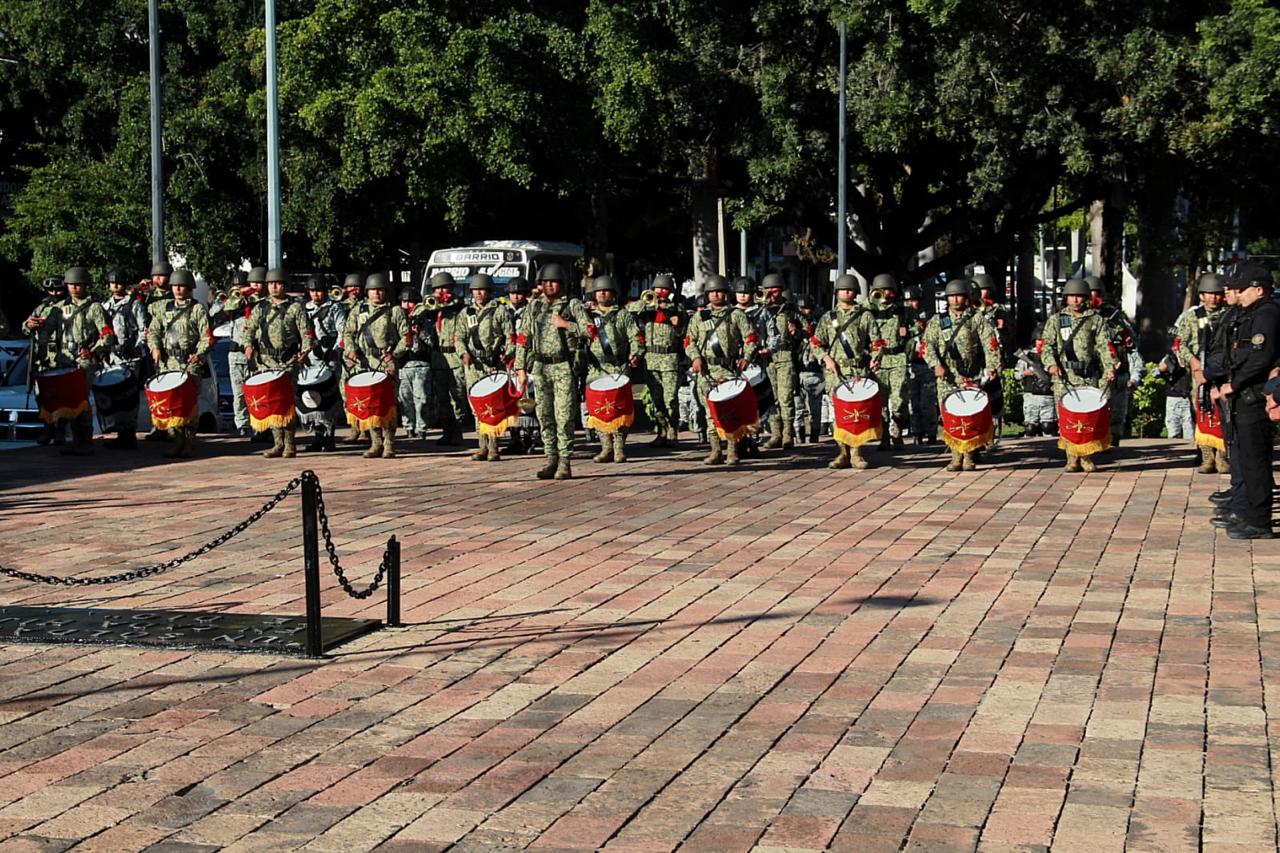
(106, 330)
(521, 340)
(1177, 344)
(1112, 348)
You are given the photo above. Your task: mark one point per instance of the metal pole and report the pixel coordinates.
(275, 255)
(311, 566)
(842, 258)
(393, 583)
(742, 251)
(157, 165)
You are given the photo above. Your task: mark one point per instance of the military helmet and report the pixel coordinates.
(183, 278)
(376, 281)
(409, 293)
(239, 278)
(1075, 287)
(743, 285)
(481, 281)
(715, 283)
(604, 282)
(258, 275)
(162, 268)
(519, 284)
(316, 282)
(353, 279)
(664, 281)
(984, 281)
(1095, 284)
(552, 272)
(439, 280)
(773, 280)
(847, 282)
(1209, 283)
(911, 292)
(76, 275)
(957, 287)
(803, 302)
(884, 281)
(55, 282)
(117, 275)
(277, 274)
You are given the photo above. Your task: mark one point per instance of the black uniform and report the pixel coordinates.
(1253, 354)
(1216, 361)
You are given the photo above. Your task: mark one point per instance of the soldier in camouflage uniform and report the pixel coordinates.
(523, 434)
(179, 338)
(1000, 319)
(448, 380)
(1191, 337)
(44, 327)
(552, 332)
(1131, 368)
(663, 324)
(244, 293)
(377, 337)
(922, 385)
(352, 296)
(279, 337)
(327, 318)
(890, 336)
(963, 351)
(721, 344)
(809, 385)
(615, 345)
(780, 332)
(128, 319)
(414, 395)
(488, 345)
(1039, 410)
(1078, 352)
(842, 343)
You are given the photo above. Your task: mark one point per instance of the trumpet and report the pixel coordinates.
(759, 299)
(431, 303)
(876, 299)
(335, 293)
(224, 295)
(649, 299)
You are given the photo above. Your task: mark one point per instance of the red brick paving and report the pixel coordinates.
(778, 656)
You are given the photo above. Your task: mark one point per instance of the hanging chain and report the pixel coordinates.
(333, 552)
(160, 568)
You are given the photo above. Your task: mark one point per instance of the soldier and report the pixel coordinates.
(179, 338)
(963, 351)
(922, 385)
(889, 333)
(376, 337)
(128, 319)
(352, 296)
(242, 295)
(779, 331)
(721, 343)
(551, 333)
(352, 292)
(1078, 352)
(1190, 341)
(279, 337)
(44, 327)
(327, 318)
(448, 382)
(414, 394)
(842, 343)
(663, 324)
(522, 434)
(809, 384)
(156, 289)
(1039, 411)
(488, 345)
(999, 318)
(1130, 369)
(615, 346)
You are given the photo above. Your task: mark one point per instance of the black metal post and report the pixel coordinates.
(311, 566)
(393, 583)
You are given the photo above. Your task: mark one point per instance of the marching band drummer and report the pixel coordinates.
(179, 338)
(964, 351)
(488, 345)
(1077, 352)
(662, 323)
(376, 337)
(615, 346)
(279, 337)
(842, 343)
(327, 318)
(721, 342)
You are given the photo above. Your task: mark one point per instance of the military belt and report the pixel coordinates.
(550, 359)
(448, 349)
(1082, 368)
(656, 350)
(235, 347)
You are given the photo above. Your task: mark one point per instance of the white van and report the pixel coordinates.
(504, 260)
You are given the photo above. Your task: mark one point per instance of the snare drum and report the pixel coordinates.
(495, 402)
(610, 404)
(115, 392)
(371, 400)
(1209, 428)
(316, 389)
(172, 398)
(62, 393)
(1084, 421)
(223, 330)
(732, 407)
(269, 398)
(966, 420)
(859, 412)
(761, 386)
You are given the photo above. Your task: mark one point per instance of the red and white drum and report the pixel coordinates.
(610, 404)
(733, 409)
(62, 393)
(371, 400)
(172, 398)
(495, 401)
(1209, 428)
(269, 398)
(966, 420)
(859, 412)
(1084, 421)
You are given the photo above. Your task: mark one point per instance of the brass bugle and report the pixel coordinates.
(760, 299)
(431, 303)
(648, 298)
(876, 299)
(335, 293)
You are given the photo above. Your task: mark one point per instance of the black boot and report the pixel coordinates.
(317, 440)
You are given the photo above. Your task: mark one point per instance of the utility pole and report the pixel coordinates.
(157, 164)
(275, 254)
(842, 258)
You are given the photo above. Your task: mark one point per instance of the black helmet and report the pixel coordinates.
(604, 282)
(552, 272)
(117, 275)
(277, 274)
(377, 281)
(353, 279)
(238, 278)
(1209, 283)
(76, 275)
(803, 302)
(847, 282)
(519, 284)
(665, 281)
(316, 282)
(1075, 287)
(714, 284)
(481, 281)
(957, 287)
(438, 281)
(183, 278)
(162, 268)
(55, 282)
(258, 275)
(983, 281)
(884, 281)
(910, 292)
(743, 285)
(772, 280)
(410, 294)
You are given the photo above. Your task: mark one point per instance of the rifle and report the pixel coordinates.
(1036, 367)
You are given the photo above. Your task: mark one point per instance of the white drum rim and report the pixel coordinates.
(263, 377)
(101, 380)
(752, 370)
(727, 390)
(1076, 396)
(168, 380)
(848, 392)
(57, 371)
(367, 379)
(314, 374)
(486, 385)
(609, 383)
(973, 402)
(223, 330)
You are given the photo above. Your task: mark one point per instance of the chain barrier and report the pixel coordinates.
(160, 568)
(333, 552)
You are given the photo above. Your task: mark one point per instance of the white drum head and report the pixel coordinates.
(753, 374)
(1083, 400)
(367, 379)
(60, 371)
(314, 374)
(223, 330)
(311, 399)
(169, 380)
(727, 390)
(114, 376)
(966, 402)
(856, 390)
(608, 383)
(264, 377)
(486, 385)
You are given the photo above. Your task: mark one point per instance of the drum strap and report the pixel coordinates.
(842, 336)
(285, 352)
(69, 319)
(366, 330)
(171, 331)
(487, 358)
(602, 329)
(713, 336)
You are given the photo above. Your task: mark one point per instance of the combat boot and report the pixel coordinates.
(330, 441)
(775, 436)
(389, 443)
(317, 439)
(969, 462)
(81, 441)
(1073, 464)
(375, 443)
(731, 457)
(660, 438)
(493, 454)
(564, 471)
(716, 456)
(546, 472)
(1220, 461)
(290, 445)
(176, 436)
(788, 439)
(356, 436)
(46, 435)
(673, 435)
(895, 434)
(857, 460)
(957, 461)
(126, 440)
(606, 448)
(619, 446)
(187, 442)
(1208, 458)
(1087, 464)
(482, 449)
(277, 447)
(841, 461)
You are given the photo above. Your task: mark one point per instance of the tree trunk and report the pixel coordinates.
(1157, 290)
(706, 243)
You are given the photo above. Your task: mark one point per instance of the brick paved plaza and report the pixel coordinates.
(653, 655)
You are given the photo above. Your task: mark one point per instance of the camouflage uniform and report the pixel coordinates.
(128, 319)
(414, 394)
(663, 328)
(327, 319)
(1039, 412)
(843, 334)
(967, 348)
(180, 330)
(1081, 349)
(922, 385)
(280, 334)
(448, 380)
(1129, 369)
(1191, 336)
(235, 310)
(377, 337)
(489, 339)
(720, 336)
(809, 387)
(774, 324)
(889, 334)
(82, 325)
(613, 339)
(548, 350)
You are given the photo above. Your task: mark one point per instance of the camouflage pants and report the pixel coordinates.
(1178, 420)
(449, 393)
(1038, 409)
(924, 401)
(556, 393)
(782, 376)
(664, 394)
(413, 397)
(893, 387)
(238, 367)
(693, 413)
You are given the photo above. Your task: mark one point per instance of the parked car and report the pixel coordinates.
(19, 414)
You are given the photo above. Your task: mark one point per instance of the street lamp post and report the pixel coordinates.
(841, 216)
(275, 254)
(157, 164)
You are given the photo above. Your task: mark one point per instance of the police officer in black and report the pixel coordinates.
(1251, 356)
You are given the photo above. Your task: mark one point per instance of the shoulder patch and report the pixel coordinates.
(1258, 340)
